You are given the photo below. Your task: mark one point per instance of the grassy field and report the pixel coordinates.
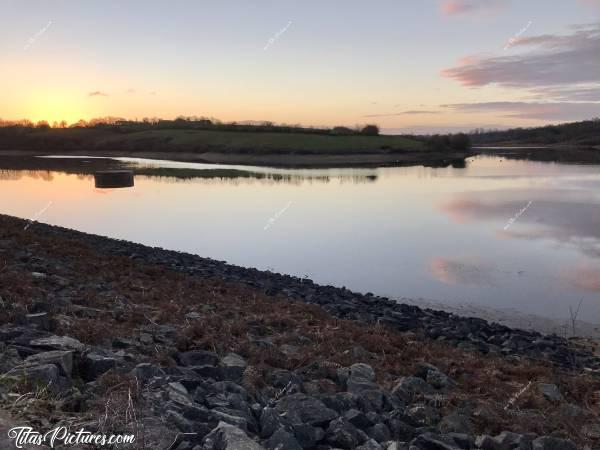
(263, 142)
(209, 140)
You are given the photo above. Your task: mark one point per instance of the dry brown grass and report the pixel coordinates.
(233, 317)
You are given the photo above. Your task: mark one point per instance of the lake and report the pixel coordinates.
(496, 236)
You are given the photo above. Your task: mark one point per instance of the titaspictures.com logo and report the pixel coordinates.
(27, 436)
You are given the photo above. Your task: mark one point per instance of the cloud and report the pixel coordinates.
(131, 91)
(554, 111)
(464, 7)
(592, 3)
(562, 62)
(403, 113)
(97, 94)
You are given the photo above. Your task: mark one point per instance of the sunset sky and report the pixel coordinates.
(416, 66)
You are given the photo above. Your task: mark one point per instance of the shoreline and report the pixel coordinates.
(183, 350)
(339, 302)
(279, 160)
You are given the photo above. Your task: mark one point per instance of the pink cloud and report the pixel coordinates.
(462, 7)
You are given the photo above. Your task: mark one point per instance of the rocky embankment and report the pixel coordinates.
(466, 332)
(191, 353)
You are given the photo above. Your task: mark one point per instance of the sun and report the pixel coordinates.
(54, 108)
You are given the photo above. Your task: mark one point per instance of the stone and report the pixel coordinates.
(93, 365)
(39, 320)
(422, 415)
(233, 366)
(146, 371)
(282, 440)
(358, 419)
(44, 373)
(456, 423)
(342, 434)
(229, 437)
(198, 358)
(552, 443)
(269, 422)
(62, 359)
(409, 387)
(360, 377)
(432, 441)
(58, 343)
(550, 392)
(371, 444)
(178, 393)
(307, 435)
(379, 432)
(302, 409)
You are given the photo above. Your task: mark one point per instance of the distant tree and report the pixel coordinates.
(460, 141)
(42, 125)
(62, 124)
(370, 130)
(341, 131)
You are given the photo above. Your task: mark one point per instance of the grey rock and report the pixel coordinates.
(301, 409)
(40, 320)
(269, 422)
(198, 358)
(307, 436)
(455, 423)
(358, 419)
(229, 437)
(422, 415)
(379, 432)
(233, 366)
(552, 443)
(58, 343)
(147, 371)
(178, 393)
(282, 440)
(432, 441)
(93, 365)
(550, 391)
(343, 434)
(409, 387)
(62, 359)
(371, 444)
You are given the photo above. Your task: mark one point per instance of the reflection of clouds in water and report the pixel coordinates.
(584, 277)
(568, 217)
(456, 271)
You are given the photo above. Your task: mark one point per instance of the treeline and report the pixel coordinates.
(584, 133)
(14, 129)
(191, 123)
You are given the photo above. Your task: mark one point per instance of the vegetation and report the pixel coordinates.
(584, 134)
(233, 317)
(209, 135)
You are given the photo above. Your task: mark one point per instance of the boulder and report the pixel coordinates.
(93, 365)
(282, 440)
(552, 443)
(62, 359)
(58, 343)
(198, 358)
(550, 392)
(229, 437)
(302, 409)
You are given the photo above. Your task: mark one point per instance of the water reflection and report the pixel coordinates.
(14, 168)
(569, 217)
(434, 233)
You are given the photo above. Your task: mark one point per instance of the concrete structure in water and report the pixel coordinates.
(106, 179)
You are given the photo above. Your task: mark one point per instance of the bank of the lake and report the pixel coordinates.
(235, 355)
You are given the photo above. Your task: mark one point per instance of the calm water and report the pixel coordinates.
(500, 234)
